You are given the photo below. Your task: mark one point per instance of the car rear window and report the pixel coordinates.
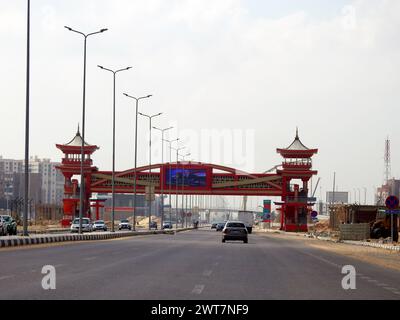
(235, 225)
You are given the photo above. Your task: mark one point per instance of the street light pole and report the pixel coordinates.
(365, 195)
(169, 175)
(162, 161)
(176, 183)
(150, 117)
(134, 174)
(183, 187)
(81, 193)
(26, 191)
(113, 147)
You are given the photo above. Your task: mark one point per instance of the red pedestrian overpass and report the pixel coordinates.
(194, 178)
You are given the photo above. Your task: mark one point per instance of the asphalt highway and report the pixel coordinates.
(190, 265)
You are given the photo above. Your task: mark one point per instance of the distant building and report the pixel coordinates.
(46, 184)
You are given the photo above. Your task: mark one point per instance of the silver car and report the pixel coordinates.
(99, 225)
(86, 225)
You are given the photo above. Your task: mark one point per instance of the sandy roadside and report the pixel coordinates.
(377, 256)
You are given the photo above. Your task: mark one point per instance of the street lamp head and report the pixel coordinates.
(128, 68)
(70, 29)
(101, 67)
(103, 30)
(149, 96)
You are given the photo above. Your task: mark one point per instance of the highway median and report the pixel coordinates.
(17, 241)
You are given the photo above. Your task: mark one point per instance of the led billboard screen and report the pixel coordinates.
(187, 177)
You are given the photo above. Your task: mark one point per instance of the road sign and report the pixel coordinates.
(391, 211)
(314, 214)
(392, 202)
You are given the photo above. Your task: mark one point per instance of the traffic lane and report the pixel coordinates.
(192, 265)
(365, 270)
(288, 269)
(107, 269)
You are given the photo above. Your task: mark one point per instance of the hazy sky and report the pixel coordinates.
(241, 71)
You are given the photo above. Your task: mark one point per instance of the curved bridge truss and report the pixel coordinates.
(189, 178)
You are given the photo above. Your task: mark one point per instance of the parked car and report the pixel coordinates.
(124, 225)
(99, 225)
(87, 225)
(220, 226)
(3, 227)
(214, 225)
(235, 230)
(167, 225)
(9, 226)
(153, 225)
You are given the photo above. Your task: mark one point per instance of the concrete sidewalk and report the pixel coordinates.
(14, 241)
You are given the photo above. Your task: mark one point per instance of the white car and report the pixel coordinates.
(124, 225)
(99, 225)
(3, 227)
(86, 225)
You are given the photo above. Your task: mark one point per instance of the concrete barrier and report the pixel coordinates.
(355, 231)
(17, 241)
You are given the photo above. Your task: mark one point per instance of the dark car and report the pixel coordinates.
(220, 226)
(8, 226)
(214, 225)
(235, 230)
(153, 225)
(167, 225)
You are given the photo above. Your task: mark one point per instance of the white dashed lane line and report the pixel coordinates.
(198, 289)
(90, 258)
(6, 277)
(207, 273)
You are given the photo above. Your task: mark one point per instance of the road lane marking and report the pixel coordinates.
(372, 280)
(390, 288)
(382, 285)
(90, 258)
(207, 273)
(198, 289)
(6, 277)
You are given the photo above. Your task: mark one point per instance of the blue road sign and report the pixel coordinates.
(314, 214)
(392, 211)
